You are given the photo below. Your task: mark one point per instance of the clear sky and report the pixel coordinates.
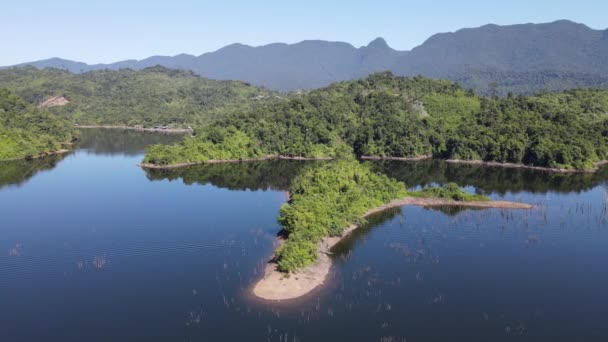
(110, 30)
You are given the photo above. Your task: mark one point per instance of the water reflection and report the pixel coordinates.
(121, 141)
(94, 244)
(488, 179)
(267, 175)
(17, 172)
(343, 248)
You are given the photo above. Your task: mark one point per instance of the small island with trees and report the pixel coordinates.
(327, 202)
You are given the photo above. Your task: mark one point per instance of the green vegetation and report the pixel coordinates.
(390, 116)
(450, 191)
(26, 131)
(214, 144)
(263, 175)
(151, 97)
(381, 115)
(325, 199)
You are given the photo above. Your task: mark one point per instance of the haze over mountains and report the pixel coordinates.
(524, 58)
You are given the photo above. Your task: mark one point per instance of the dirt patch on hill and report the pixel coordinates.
(55, 101)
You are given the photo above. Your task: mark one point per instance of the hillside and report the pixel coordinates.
(150, 97)
(523, 59)
(26, 131)
(388, 116)
(519, 58)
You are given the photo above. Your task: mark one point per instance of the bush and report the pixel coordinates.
(449, 191)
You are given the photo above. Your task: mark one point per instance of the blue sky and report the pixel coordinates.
(107, 31)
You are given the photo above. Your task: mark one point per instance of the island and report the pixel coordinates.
(327, 202)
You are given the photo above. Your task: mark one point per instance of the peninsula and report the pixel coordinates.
(329, 201)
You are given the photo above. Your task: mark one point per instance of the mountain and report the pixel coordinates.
(514, 57)
(305, 65)
(522, 58)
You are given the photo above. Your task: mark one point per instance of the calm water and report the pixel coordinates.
(93, 248)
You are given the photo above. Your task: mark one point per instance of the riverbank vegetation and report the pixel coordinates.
(388, 116)
(213, 144)
(26, 131)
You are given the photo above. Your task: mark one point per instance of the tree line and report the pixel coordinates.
(388, 116)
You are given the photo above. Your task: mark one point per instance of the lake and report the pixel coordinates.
(94, 248)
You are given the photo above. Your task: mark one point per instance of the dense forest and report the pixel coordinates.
(26, 131)
(388, 116)
(155, 96)
(381, 115)
(324, 200)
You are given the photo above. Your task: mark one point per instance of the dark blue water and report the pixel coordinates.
(94, 248)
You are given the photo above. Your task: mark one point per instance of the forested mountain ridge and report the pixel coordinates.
(26, 131)
(389, 116)
(523, 59)
(149, 97)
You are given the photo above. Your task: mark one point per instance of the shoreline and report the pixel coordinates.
(426, 157)
(141, 129)
(275, 286)
(38, 156)
(215, 161)
(595, 167)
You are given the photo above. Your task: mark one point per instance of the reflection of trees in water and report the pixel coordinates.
(278, 174)
(274, 174)
(17, 172)
(488, 179)
(451, 210)
(122, 141)
(343, 248)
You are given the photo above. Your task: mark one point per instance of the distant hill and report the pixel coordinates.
(519, 58)
(408, 117)
(284, 67)
(149, 97)
(523, 58)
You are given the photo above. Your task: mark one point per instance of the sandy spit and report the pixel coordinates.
(275, 286)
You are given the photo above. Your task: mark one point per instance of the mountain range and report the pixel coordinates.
(524, 58)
